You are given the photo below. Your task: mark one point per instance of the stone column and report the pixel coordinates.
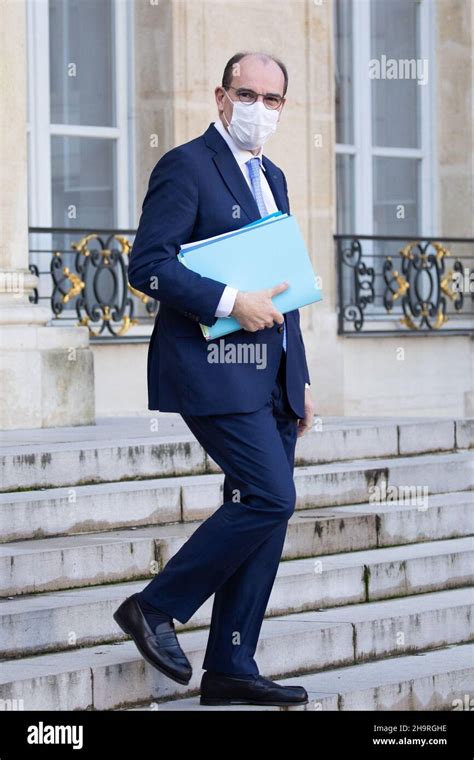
(46, 373)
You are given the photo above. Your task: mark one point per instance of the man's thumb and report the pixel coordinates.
(278, 289)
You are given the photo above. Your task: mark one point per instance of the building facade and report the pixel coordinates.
(376, 141)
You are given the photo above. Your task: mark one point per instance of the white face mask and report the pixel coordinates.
(252, 125)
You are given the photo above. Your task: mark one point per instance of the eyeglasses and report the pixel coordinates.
(249, 96)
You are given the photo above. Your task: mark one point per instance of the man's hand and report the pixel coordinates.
(255, 310)
(307, 423)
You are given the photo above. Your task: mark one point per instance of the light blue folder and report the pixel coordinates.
(259, 255)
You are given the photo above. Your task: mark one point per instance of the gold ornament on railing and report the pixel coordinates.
(99, 286)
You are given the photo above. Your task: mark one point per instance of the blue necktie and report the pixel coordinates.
(254, 173)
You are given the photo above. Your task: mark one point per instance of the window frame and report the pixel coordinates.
(40, 129)
(362, 150)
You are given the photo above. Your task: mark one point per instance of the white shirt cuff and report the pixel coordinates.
(226, 304)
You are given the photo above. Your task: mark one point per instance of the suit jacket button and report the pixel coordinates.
(280, 328)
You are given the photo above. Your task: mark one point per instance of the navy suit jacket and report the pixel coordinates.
(197, 190)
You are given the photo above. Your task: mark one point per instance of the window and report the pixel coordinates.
(79, 96)
(384, 83)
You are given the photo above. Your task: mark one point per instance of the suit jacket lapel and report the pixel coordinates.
(232, 176)
(230, 173)
(276, 185)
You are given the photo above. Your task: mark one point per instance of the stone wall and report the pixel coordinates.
(180, 50)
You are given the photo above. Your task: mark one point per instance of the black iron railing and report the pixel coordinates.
(83, 277)
(390, 285)
(386, 285)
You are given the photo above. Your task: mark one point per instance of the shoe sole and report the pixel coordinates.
(216, 702)
(161, 669)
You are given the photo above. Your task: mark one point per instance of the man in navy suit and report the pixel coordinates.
(247, 415)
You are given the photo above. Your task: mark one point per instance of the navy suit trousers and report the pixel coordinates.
(235, 553)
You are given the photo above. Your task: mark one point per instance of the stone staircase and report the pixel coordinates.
(371, 608)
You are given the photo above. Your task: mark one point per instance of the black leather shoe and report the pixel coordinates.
(159, 647)
(218, 689)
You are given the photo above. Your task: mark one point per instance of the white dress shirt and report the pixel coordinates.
(226, 303)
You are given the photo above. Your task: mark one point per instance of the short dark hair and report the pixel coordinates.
(228, 70)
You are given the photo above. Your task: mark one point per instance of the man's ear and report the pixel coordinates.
(281, 107)
(219, 93)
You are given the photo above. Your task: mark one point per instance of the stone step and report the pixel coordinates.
(91, 559)
(438, 680)
(107, 557)
(133, 449)
(356, 527)
(106, 506)
(115, 675)
(56, 620)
